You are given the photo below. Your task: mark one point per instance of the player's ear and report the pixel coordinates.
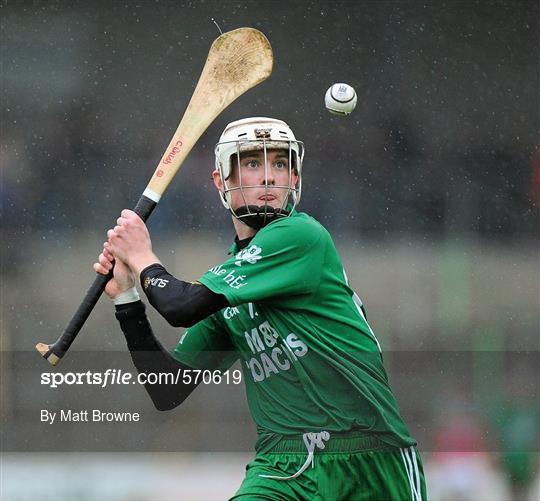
(216, 177)
(294, 177)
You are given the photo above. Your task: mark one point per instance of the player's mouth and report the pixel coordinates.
(267, 198)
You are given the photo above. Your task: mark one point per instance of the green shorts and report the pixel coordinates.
(350, 467)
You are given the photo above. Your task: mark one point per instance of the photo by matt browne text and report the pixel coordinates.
(328, 423)
(87, 416)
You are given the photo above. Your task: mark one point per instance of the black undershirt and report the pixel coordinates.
(149, 356)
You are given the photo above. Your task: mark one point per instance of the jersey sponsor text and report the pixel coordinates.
(271, 357)
(230, 278)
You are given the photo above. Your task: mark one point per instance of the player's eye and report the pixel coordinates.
(280, 164)
(252, 164)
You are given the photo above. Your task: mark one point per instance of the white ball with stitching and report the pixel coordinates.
(340, 99)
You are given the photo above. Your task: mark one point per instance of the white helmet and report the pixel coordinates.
(259, 134)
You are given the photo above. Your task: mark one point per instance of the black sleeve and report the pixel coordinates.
(149, 356)
(182, 304)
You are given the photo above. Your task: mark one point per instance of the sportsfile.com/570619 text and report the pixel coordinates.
(118, 376)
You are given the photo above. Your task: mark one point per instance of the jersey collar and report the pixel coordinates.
(238, 245)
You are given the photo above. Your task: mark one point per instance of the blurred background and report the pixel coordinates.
(430, 189)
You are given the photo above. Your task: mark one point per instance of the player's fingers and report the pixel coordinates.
(113, 234)
(108, 254)
(100, 269)
(103, 261)
(131, 217)
(128, 214)
(123, 221)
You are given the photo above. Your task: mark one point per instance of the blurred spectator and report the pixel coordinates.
(460, 469)
(515, 417)
(534, 491)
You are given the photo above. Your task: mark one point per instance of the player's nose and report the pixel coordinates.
(268, 174)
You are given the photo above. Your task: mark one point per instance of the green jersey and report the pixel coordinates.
(309, 358)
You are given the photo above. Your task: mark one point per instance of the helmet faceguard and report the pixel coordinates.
(258, 134)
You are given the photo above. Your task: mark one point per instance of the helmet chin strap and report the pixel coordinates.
(257, 217)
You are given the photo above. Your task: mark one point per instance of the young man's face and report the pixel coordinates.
(251, 176)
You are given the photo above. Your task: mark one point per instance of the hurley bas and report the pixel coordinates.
(86, 416)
